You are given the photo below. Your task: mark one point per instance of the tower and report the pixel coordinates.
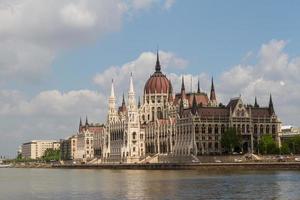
(255, 103)
(112, 103)
(198, 89)
(271, 107)
(213, 100)
(133, 131)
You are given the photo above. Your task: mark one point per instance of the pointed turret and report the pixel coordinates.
(182, 84)
(80, 125)
(112, 101)
(198, 89)
(86, 121)
(255, 103)
(194, 105)
(213, 99)
(123, 101)
(157, 65)
(139, 103)
(271, 107)
(131, 93)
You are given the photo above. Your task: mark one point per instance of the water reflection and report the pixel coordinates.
(139, 184)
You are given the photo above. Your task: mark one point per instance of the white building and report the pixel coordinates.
(36, 148)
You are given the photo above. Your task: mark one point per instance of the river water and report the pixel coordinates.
(146, 184)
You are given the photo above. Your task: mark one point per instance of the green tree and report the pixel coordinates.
(285, 149)
(267, 145)
(231, 139)
(51, 154)
(294, 144)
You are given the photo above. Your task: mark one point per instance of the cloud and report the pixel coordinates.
(33, 32)
(48, 115)
(142, 68)
(274, 72)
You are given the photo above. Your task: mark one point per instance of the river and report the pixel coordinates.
(147, 184)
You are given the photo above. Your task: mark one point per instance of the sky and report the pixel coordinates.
(57, 57)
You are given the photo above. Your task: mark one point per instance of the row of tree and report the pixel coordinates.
(232, 141)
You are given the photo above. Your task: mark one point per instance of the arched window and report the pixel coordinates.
(203, 128)
(216, 129)
(267, 129)
(261, 130)
(273, 129)
(222, 128)
(255, 129)
(209, 129)
(196, 129)
(134, 135)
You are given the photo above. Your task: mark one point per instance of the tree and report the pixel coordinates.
(267, 145)
(294, 144)
(51, 154)
(231, 140)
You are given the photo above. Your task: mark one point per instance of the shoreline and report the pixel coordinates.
(177, 166)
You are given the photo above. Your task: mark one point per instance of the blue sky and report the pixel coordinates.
(57, 56)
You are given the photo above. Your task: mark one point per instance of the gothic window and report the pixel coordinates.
(248, 128)
(267, 129)
(261, 129)
(196, 129)
(203, 128)
(209, 129)
(216, 129)
(133, 135)
(273, 129)
(255, 129)
(243, 128)
(222, 128)
(159, 113)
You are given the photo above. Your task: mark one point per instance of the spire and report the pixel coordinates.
(80, 125)
(157, 66)
(123, 101)
(139, 103)
(182, 84)
(271, 107)
(112, 92)
(86, 121)
(198, 90)
(131, 90)
(255, 103)
(212, 91)
(131, 94)
(194, 105)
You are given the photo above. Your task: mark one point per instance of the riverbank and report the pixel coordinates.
(188, 166)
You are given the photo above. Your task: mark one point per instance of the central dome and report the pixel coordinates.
(158, 82)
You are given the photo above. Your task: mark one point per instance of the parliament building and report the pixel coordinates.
(173, 123)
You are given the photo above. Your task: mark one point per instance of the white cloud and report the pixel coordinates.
(49, 114)
(274, 72)
(141, 68)
(34, 32)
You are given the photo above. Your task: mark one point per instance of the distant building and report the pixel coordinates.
(68, 148)
(288, 131)
(36, 148)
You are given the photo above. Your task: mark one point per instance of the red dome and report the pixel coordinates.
(158, 83)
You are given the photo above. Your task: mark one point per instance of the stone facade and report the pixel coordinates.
(184, 124)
